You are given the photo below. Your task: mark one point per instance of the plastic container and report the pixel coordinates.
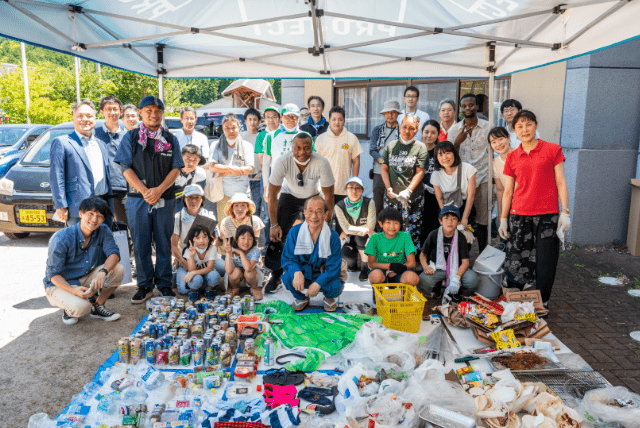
(400, 306)
(445, 418)
(490, 285)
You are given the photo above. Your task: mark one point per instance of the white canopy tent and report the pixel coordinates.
(323, 38)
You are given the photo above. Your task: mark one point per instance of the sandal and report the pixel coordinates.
(282, 377)
(233, 292)
(257, 293)
(330, 304)
(299, 305)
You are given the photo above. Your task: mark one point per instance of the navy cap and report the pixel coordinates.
(151, 100)
(449, 209)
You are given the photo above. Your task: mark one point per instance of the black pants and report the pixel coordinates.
(290, 209)
(350, 249)
(336, 199)
(533, 251)
(430, 213)
(378, 196)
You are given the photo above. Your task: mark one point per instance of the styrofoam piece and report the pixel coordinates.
(607, 280)
(490, 260)
(635, 335)
(634, 292)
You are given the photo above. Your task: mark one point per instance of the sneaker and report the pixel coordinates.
(273, 285)
(167, 292)
(68, 319)
(210, 294)
(99, 311)
(364, 272)
(141, 295)
(194, 296)
(330, 304)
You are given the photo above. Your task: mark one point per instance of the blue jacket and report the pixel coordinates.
(310, 264)
(70, 174)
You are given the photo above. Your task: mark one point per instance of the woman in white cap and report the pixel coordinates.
(356, 215)
(239, 210)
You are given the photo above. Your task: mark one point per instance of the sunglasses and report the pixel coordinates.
(300, 179)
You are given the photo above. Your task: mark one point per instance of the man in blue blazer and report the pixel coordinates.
(79, 166)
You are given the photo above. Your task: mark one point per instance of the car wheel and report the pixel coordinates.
(16, 235)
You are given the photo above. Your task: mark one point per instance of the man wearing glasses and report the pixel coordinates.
(411, 97)
(508, 109)
(300, 174)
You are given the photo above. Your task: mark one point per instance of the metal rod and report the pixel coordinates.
(257, 21)
(594, 22)
(497, 21)
(77, 63)
(25, 78)
(161, 87)
(135, 39)
(492, 74)
(42, 22)
(380, 41)
(250, 40)
(544, 25)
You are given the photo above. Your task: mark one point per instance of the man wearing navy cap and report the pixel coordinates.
(150, 159)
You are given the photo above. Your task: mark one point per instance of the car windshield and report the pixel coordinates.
(38, 153)
(10, 136)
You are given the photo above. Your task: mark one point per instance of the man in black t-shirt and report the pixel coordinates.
(438, 262)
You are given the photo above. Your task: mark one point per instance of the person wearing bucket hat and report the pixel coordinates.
(151, 161)
(380, 137)
(239, 211)
(445, 257)
(356, 216)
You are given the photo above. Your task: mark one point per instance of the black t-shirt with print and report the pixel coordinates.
(430, 246)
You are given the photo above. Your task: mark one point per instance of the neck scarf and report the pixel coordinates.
(406, 143)
(186, 217)
(318, 124)
(304, 244)
(451, 265)
(145, 134)
(353, 208)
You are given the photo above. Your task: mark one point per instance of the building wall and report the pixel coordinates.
(292, 91)
(541, 90)
(600, 136)
(321, 87)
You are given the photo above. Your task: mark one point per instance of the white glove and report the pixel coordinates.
(565, 222)
(453, 287)
(502, 230)
(391, 194)
(406, 194)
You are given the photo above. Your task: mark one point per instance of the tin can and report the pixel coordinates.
(224, 325)
(183, 333)
(269, 351)
(249, 347)
(153, 331)
(198, 353)
(150, 350)
(185, 354)
(465, 370)
(223, 315)
(160, 329)
(162, 359)
(173, 332)
(211, 358)
(135, 350)
(197, 331)
(167, 341)
(174, 355)
(123, 350)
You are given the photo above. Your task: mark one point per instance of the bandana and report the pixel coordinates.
(451, 265)
(186, 217)
(161, 143)
(353, 208)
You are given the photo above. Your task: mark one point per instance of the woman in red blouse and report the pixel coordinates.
(531, 209)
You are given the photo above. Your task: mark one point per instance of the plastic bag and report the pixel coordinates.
(606, 406)
(437, 347)
(442, 393)
(311, 363)
(376, 343)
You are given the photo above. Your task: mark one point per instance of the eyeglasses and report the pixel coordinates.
(411, 96)
(300, 179)
(510, 110)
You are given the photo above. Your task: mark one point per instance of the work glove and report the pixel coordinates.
(405, 194)
(391, 194)
(453, 288)
(397, 268)
(565, 222)
(502, 230)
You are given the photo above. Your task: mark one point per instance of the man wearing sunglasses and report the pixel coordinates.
(300, 174)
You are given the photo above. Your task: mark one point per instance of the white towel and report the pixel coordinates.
(304, 244)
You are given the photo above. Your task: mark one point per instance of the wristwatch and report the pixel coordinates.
(274, 225)
(106, 272)
(567, 210)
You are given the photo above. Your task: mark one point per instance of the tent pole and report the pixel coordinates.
(77, 62)
(161, 87)
(25, 78)
(492, 74)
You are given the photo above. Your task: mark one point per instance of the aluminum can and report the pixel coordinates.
(185, 354)
(183, 333)
(167, 341)
(174, 355)
(198, 353)
(123, 350)
(153, 331)
(249, 347)
(162, 359)
(224, 325)
(237, 308)
(269, 351)
(135, 350)
(150, 350)
(173, 332)
(211, 358)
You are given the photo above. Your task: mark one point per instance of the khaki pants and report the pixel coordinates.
(78, 306)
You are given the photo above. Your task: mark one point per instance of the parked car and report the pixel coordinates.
(26, 204)
(209, 122)
(14, 140)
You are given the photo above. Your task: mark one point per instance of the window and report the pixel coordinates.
(354, 102)
(378, 95)
(432, 93)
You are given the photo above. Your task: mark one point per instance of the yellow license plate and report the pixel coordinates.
(33, 216)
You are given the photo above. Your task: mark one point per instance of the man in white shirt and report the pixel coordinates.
(188, 135)
(411, 98)
(509, 109)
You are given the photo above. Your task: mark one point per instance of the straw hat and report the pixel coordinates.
(240, 197)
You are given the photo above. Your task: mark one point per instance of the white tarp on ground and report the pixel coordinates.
(351, 39)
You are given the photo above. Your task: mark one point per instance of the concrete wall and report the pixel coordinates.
(292, 91)
(542, 91)
(600, 136)
(321, 87)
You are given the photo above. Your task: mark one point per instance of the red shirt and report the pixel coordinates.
(443, 135)
(536, 193)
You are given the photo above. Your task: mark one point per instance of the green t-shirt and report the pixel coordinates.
(403, 161)
(259, 147)
(390, 250)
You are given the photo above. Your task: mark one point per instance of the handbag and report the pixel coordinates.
(455, 197)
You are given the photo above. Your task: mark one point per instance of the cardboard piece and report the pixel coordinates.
(530, 341)
(633, 230)
(526, 296)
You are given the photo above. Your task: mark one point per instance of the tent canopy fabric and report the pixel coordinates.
(322, 38)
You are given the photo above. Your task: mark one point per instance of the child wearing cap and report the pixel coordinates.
(391, 253)
(445, 257)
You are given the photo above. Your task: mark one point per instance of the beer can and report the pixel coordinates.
(150, 350)
(180, 305)
(185, 354)
(249, 347)
(123, 350)
(211, 358)
(269, 351)
(199, 307)
(135, 350)
(139, 335)
(197, 331)
(167, 341)
(216, 344)
(224, 325)
(192, 313)
(183, 333)
(173, 332)
(153, 331)
(162, 359)
(223, 315)
(174, 355)
(236, 309)
(161, 329)
(198, 354)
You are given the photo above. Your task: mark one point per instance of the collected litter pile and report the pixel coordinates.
(232, 363)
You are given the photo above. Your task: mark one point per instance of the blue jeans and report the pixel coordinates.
(264, 215)
(256, 195)
(332, 290)
(198, 282)
(145, 226)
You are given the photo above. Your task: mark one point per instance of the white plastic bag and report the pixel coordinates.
(612, 405)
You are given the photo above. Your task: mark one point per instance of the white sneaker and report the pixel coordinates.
(68, 319)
